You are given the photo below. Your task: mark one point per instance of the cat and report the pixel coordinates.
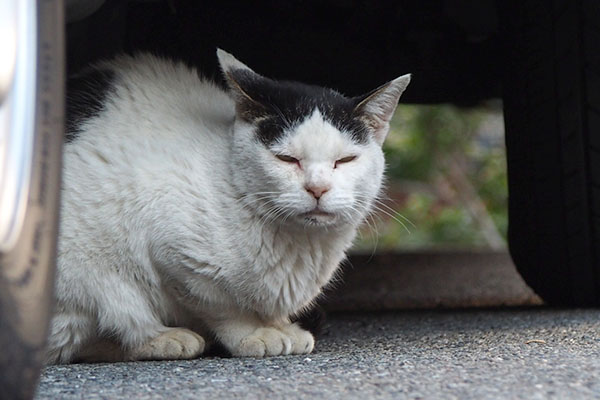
(194, 214)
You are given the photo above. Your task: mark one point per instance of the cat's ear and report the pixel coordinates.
(376, 108)
(241, 81)
(229, 63)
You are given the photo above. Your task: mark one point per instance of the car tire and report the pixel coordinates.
(551, 91)
(28, 252)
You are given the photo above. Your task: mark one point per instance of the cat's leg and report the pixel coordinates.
(246, 335)
(127, 315)
(70, 344)
(172, 344)
(122, 312)
(74, 337)
(69, 333)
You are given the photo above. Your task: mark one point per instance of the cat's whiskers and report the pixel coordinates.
(373, 230)
(268, 216)
(250, 198)
(376, 205)
(382, 200)
(265, 210)
(269, 208)
(277, 212)
(370, 224)
(257, 193)
(259, 201)
(287, 215)
(381, 203)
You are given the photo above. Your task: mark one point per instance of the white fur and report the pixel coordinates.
(173, 216)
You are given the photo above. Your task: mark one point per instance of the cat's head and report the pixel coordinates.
(307, 154)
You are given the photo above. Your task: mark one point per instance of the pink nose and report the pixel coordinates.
(317, 191)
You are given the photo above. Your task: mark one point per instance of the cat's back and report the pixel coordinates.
(147, 98)
(142, 131)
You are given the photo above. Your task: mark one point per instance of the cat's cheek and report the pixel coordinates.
(290, 179)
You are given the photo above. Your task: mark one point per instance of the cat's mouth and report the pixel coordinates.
(318, 216)
(319, 213)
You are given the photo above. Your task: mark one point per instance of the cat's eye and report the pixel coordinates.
(345, 160)
(286, 158)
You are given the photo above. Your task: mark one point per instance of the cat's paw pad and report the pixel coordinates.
(264, 342)
(303, 341)
(173, 344)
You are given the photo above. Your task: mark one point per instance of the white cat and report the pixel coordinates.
(193, 213)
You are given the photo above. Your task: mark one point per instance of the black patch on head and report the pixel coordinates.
(86, 96)
(277, 105)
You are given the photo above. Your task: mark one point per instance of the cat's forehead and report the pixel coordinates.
(315, 138)
(290, 103)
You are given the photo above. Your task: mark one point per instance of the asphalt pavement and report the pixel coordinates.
(531, 353)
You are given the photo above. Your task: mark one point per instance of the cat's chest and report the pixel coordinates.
(291, 270)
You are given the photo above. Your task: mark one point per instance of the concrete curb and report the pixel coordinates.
(448, 279)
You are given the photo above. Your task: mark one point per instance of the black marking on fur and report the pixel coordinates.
(86, 96)
(279, 105)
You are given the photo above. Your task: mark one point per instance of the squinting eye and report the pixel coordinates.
(286, 158)
(345, 160)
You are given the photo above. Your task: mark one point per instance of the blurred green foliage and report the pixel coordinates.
(447, 176)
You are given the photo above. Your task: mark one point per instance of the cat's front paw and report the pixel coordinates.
(264, 342)
(173, 344)
(275, 342)
(303, 341)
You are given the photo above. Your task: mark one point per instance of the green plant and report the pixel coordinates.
(447, 176)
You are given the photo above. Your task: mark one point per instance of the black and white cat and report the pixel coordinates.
(190, 213)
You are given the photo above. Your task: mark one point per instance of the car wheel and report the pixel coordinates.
(31, 135)
(551, 88)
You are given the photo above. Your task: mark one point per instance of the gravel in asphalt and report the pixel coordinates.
(532, 353)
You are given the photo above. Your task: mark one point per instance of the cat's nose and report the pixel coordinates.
(317, 190)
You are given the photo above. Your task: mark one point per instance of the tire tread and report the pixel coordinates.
(554, 166)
